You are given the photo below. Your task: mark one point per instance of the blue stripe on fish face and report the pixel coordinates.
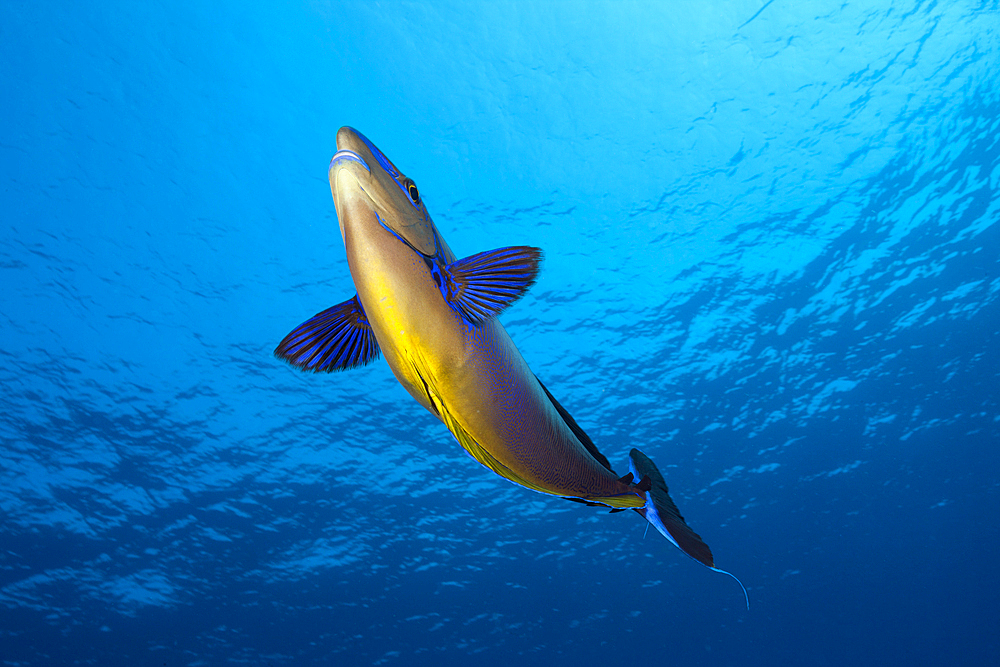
(348, 156)
(388, 166)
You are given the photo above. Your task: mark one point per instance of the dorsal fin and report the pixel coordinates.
(577, 431)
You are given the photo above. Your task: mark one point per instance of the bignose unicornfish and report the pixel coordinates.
(434, 318)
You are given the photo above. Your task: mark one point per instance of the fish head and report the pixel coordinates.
(368, 189)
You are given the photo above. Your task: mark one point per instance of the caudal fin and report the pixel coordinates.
(661, 511)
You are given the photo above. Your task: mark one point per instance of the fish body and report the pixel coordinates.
(433, 318)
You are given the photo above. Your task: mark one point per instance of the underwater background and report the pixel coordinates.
(771, 262)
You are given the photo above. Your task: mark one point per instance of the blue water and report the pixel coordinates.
(771, 261)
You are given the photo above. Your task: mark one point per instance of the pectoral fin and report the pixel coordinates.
(334, 340)
(483, 285)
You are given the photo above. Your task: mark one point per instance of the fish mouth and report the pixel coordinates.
(343, 156)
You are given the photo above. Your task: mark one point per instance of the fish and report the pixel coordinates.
(433, 317)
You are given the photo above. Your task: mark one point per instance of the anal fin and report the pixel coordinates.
(479, 453)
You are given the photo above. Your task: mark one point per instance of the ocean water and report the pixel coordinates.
(771, 262)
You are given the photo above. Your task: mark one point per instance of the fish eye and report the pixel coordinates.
(411, 188)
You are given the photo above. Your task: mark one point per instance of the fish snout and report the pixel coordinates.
(348, 138)
(351, 156)
(350, 152)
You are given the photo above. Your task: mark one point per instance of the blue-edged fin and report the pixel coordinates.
(661, 511)
(334, 340)
(483, 285)
(577, 431)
